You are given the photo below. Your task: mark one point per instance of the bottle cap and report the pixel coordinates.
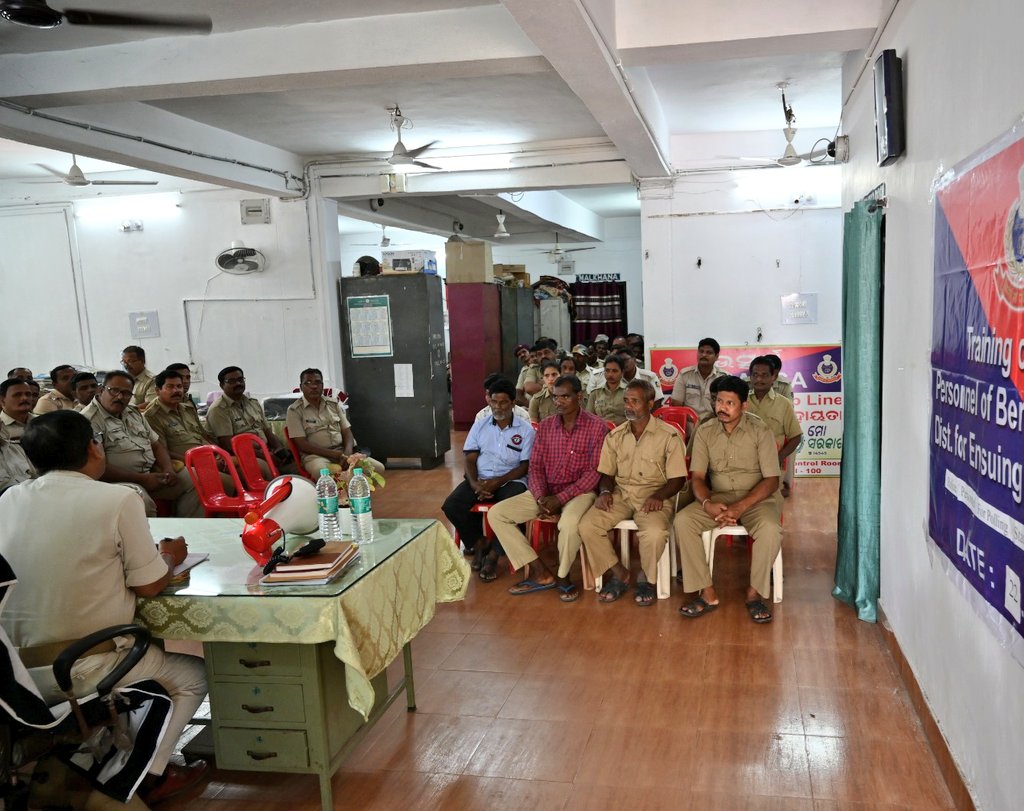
(357, 471)
(325, 472)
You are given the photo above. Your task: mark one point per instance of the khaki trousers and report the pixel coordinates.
(652, 534)
(183, 494)
(505, 517)
(314, 464)
(764, 523)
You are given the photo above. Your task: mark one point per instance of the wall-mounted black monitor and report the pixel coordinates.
(890, 129)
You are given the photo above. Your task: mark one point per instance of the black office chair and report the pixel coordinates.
(108, 737)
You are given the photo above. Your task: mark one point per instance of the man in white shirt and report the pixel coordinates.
(83, 552)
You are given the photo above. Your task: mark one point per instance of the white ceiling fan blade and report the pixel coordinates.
(51, 170)
(573, 250)
(123, 182)
(425, 165)
(415, 153)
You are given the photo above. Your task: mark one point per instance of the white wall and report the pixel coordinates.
(272, 324)
(754, 245)
(963, 89)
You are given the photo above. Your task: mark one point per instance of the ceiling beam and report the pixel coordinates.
(566, 36)
(453, 43)
(159, 141)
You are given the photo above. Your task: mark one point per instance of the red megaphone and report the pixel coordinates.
(261, 533)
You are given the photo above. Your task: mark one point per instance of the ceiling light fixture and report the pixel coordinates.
(502, 232)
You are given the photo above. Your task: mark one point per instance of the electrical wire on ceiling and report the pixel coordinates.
(285, 175)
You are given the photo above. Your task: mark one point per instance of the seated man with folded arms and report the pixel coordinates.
(84, 385)
(485, 412)
(775, 410)
(737, 451)
(62, 396)
(14, 464)
(15, 407)
(134, 452)
(83, 553)
(234, 413)
(542, 404)
(133, 361)
(321, 431)
(497, 457)
(691, 387)
(177, 425)
(562, 480)
(642, 467)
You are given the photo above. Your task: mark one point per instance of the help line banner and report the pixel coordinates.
(977, 427)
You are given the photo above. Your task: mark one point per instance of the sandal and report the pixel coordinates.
(570, 593)
(698, 608)
(758, 611)
(489, 566)
(646, 595)
(612, 590)
(478, 559)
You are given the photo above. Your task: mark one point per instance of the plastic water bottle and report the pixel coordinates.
(359, 502)
(327, 506)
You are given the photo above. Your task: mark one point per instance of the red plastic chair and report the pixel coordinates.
(245, 447)
(296, 455)
(679, 416)
(201, 464)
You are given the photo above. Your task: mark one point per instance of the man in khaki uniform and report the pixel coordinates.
(176, 424)
(62, 396)
(84, 386)
(14, 464)
(133, 359)
(233, 413)
(134, 451)
(781, 385)
(320, 429)
(15, 407)
(642, 467)
(691, 387)
(773, 408)
(738, 452)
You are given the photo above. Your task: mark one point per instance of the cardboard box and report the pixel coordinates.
(410, 261)
(513, 275)
(467, 262)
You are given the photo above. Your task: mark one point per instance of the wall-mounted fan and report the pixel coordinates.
(76, 177)
(240, 260)
(37, 14)
(556, 254)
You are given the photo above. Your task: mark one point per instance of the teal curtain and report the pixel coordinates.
(857, 558)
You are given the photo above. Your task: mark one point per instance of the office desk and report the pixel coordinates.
(297, 673)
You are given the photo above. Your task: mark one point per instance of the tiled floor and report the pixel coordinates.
(528, 703)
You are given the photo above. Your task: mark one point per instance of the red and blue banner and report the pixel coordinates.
(977, 424)
(815, 374)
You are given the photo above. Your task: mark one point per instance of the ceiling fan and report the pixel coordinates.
(76, 177)
(837, 149)
(556, 254)
(37, 14)
(385, 241)
(401, 155)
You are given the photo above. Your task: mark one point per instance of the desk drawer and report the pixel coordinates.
(258, 702)
(257, 659)
(261, 750)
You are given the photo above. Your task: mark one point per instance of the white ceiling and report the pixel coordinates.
(572, 95)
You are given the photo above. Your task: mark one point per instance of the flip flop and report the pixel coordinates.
(698, 608)
(530, 586)
(570, 593)
(612, 590)
(756, 607)
(646, 595)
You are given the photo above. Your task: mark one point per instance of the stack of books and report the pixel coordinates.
(314, 570)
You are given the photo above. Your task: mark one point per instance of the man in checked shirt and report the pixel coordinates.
(562, 479)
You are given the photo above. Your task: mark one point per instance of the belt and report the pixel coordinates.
(43, 655)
